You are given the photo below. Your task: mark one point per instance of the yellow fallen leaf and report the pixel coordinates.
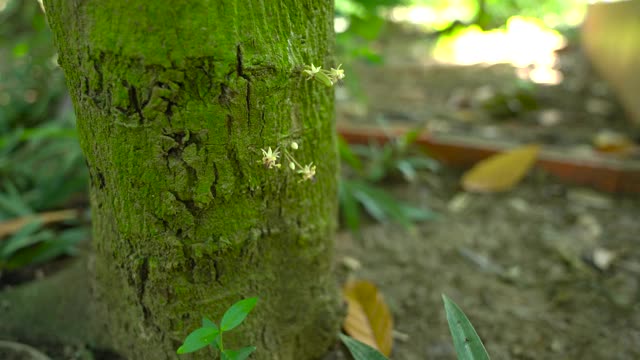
(613, 142)
(368, 317)
(501, 172)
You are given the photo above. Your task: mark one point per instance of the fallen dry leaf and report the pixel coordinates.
(612, 142)
(368, 317)
(501, 172)
(11, 226)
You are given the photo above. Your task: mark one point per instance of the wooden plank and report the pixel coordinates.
(605, 174)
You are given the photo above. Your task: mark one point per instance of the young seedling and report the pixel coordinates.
(210, 334)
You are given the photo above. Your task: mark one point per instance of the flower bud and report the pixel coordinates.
(294, 145)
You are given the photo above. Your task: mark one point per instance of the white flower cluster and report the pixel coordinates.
(325, 77)
(270, 160)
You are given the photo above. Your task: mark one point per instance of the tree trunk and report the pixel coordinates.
(175, 100)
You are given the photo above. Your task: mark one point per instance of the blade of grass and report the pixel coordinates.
(465, 339)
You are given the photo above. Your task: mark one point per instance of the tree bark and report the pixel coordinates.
(174, 100)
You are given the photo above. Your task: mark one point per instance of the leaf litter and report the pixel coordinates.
(556, 278)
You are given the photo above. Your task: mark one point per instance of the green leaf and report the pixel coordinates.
(236, 314)
(21, 239)
(349, 206)
(368, 54)
(417, 214)
(370, 151)
(398, 211)
(347, 155)
(381, 205)
(465, 339)
(238, 354)
(381, 163)
(407, 170)
(48, 132)
(361, 351)
(423, 163)
(198, 339)
(12, 201)
(410, 137)
(47, 247)
(367, 27)
(206, 322)
(371, 204)
(409, 166)
(20, 50)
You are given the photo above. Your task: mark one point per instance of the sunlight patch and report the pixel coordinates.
(526, 43)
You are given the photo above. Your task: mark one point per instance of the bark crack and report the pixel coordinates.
(133, 100)
(190, 205)
(213, 186)
(190, 264)
(242, 74)
(218, 272)
(143, 276)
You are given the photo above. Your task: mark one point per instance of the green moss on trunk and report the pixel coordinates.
(174, 102)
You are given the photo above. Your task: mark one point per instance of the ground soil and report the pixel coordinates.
(545, 271)
(9, 279)
(520, 264)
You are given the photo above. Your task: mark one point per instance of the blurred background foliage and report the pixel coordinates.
(358, 22)
(41, 165)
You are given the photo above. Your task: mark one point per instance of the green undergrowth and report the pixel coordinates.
(367, 168)
(41, 166)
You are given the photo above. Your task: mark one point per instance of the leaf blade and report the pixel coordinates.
(360, 350)
(240, 354)
(198, 339)
(370, 203)
(465, 338)
(349, 206)
(206, 322)
(347, 155)
(236, 314)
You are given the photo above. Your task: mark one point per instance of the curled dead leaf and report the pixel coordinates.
(368, 317)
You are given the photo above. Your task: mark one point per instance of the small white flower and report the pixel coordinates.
(294, 145)
(308, 172)
(270, 158)
(336, 74)
(292, 166)
(312, 71)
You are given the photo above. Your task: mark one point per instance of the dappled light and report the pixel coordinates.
(525, 43)
(431, 18)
